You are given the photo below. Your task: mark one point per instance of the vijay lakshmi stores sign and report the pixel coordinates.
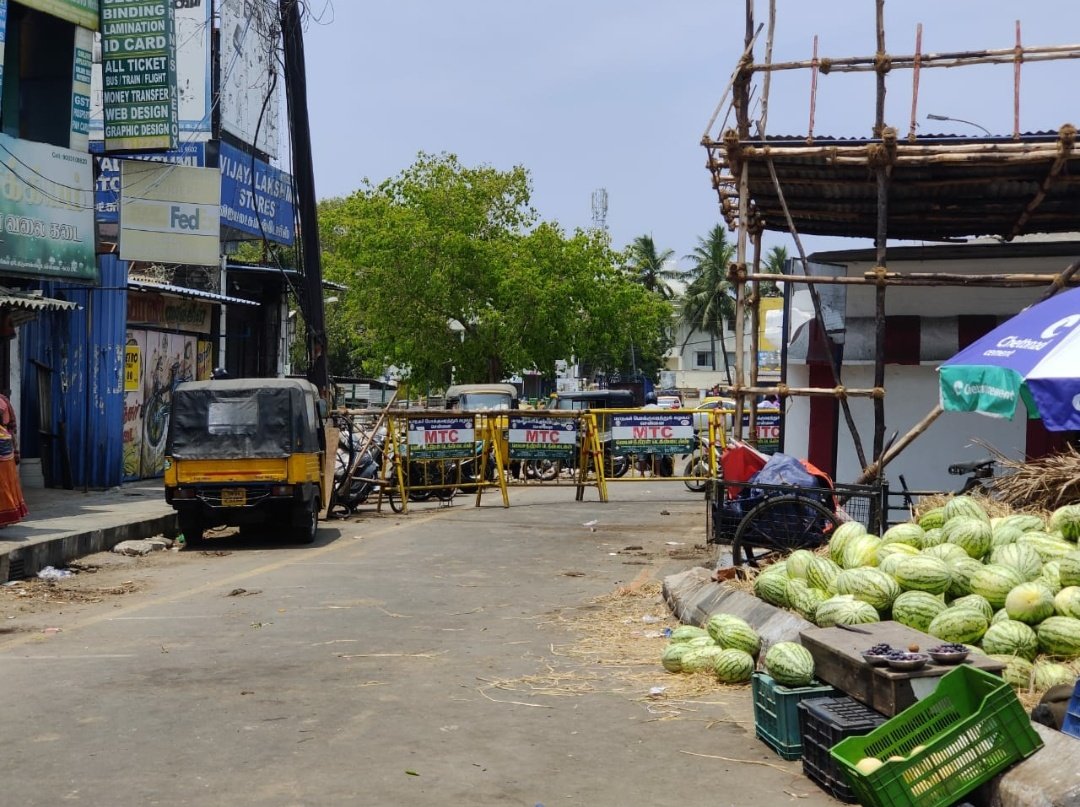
(138, 56)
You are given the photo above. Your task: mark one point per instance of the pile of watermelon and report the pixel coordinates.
(728, 648)
(1008, 587)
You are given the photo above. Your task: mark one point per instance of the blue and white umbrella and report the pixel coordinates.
(1034, 357)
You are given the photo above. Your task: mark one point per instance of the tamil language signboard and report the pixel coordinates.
(766, 432)
(107, 183)
(542, 438)
(653, 432)
(254, 193)
(46, 211)
(138, 62)
(441, 438)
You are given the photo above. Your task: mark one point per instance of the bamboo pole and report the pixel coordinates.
(873, 471)
(840, 392)
(813, 90)
(881, 238)
(1065, 146)
(859, 150)
(742, 64)
(1059, 282)
(767, 82)
(915, 82)
(866, 64)
(922, 279)
(755, 325)
(1018, 59)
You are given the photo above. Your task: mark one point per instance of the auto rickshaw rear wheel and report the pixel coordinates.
(309, 512)
(192, 530)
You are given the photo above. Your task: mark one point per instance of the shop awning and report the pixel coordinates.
(184, 291)
(34, 301)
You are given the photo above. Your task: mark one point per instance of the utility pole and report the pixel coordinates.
(292, 37)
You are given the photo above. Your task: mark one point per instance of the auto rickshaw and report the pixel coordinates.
(245, 452)
(491, 400)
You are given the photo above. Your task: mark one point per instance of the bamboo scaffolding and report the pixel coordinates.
(923, 279)
(784, 391)
(884, 169)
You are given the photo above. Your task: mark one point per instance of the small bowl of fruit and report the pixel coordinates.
(878, 655)
(948, 653)
(907, 661)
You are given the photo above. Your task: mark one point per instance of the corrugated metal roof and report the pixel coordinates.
(184, 291)
(34, 301)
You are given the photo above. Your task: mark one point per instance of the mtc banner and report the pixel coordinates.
(138, 62)
(441, 438)
(653, 433)
(542, 438)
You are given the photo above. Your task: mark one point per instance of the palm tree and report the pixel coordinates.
(646, 266)
(708, 302)
(775, 263)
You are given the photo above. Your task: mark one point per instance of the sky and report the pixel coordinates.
(616, 94)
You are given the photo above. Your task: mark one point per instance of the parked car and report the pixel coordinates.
(701, 419)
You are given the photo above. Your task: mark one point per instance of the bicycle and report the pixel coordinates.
(980, 479)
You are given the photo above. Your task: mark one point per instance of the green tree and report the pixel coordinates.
(646, 265)
(708, 304)
(450, 275)
(775, 263)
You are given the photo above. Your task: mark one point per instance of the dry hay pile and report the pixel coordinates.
(1045, 483)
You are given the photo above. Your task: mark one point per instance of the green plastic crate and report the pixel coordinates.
(776, 713)
(971, 728)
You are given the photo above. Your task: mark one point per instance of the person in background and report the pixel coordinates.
(12, 504)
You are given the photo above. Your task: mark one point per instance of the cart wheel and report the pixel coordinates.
(697, 468)
(781, 524)
(393, 496)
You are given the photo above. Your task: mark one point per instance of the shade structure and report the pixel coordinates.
(1034, 357)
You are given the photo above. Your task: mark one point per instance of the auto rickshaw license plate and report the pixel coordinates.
(233, 497)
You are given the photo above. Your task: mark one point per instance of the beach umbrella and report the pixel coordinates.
(1034, 357)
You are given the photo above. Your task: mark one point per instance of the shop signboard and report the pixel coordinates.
(82, 69)
(138, 61)
(652, 432)
(252, 191)
(83, 13)
(250, 77)
(167, 313)
(767, 431)
(132, 364)
(46, 211)
(169, 213)
(107, 183)
(441, 438)
(542, 438)
(3, 39)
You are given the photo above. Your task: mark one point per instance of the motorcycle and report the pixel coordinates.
(357, 467)
(697, 464)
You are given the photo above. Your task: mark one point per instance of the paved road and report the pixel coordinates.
(419, 660)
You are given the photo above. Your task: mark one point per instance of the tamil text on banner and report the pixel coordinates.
(168, 313)
(441, 438)
(542, 438)
(46, 211)
(107, 183)
(138, 62)
(81, 12)
(256, 198)
(653, 433)
(766, 432)
(169, 213)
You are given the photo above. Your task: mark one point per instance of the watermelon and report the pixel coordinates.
(1000, 615)
(1060, 636)
(964, 506)
(975, 602)
(702, 641)
(1018, 671)
(790, 664)
(889, 563)
(844, 609)
(962, 571)
(1025, 522)
(738, 636)
(1066, 520)
(870, 585)
(717, 621)
(1069, 569)
(672, 657)
(961, 625)
(1048, 546)
(916, 609)
(1051, 576)
(994, 583)
(1011, 638)
(1005, 534)
(772, 588)
(1048, 674)
(932, 518)
(1067, 602)
(684, 633)
(932, 537)
(970, 534)
(861, 551)
(1030, 603)
(733, 666)
(923, 573)
(840, 538)
(895, 548)
(1017, 556)
(797, 562)
(910, 534)
(947, 552)
(804, 599)
(821, 573)
(700, 659)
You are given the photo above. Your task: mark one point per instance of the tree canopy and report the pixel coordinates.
(451, 274)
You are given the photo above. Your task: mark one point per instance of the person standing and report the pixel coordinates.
(12, 504)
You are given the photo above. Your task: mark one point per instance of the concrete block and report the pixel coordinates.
(1048, 778)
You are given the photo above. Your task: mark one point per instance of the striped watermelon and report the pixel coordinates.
(699, 659)
(797, 562)
(923, 573)
(733, 666)
(1030, 603)
(909, 533)
(972, 535)
(718, 620)
(1067, 602)
(790, 664)
(870, 585)
(962, 571)
(684, 633)
(1024, 521)
(672, 657)
(975, 602)
(840, 538)
(821, 573)
(861, 551)
(933, 518)
(947, 552)
(889, 563)
(887, 552)
(804, 599)
(1066, 520)
(932, 537)
(1000, 615)
(1048, 674)
(1017, 556)
(1048, 546)
(738, 636)
(1060, 636)
(844, 609)
(916, 609)
(964, 506)
(772, 588)
(702, 641)
(961, 625)
(1011, 638)
(1018, 671)
(1005, 534)
(1069, 569)
(1051, 576)
(994, 583)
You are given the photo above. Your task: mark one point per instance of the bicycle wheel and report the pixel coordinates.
(697, 468)
(781, 524)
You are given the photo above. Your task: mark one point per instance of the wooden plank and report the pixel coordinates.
(838, 661)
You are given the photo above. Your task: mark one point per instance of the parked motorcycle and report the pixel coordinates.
(357, 467)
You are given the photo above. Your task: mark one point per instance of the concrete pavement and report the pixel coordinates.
(64, 525)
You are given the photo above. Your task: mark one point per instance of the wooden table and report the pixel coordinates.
(838, 661)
